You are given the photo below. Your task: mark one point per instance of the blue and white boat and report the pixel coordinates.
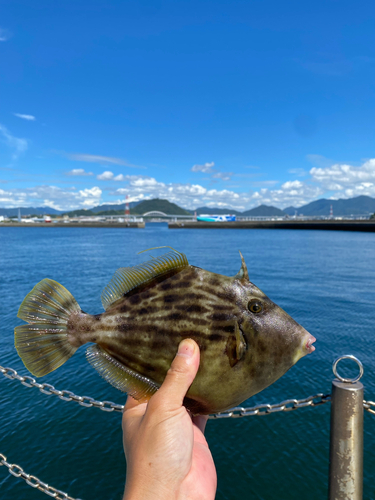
(216, 218)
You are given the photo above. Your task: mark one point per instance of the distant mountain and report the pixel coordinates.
(360, 205)
(79, 212)
(264, 210)
(215, 211)
(158, 205)
(13, 212)
(290, 210)
(111, 207)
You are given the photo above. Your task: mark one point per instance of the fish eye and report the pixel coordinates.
(255, 306)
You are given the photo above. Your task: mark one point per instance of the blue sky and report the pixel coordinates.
(218, 103)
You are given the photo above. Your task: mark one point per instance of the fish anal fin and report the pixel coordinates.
(236, 346)
(127, 279)
(120, 376)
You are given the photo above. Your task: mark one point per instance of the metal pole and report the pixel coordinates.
(346, 444)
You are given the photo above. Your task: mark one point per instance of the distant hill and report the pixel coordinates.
(360, 205)
(290, 210)
(13, 212)
(158, 205)
(215, 211)
(264, 210)
(110, 207)
(79, 212)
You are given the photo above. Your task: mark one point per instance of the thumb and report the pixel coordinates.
(181, 374)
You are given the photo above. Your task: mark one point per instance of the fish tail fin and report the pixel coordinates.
(43, 343)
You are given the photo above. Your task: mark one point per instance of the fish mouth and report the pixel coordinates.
(309, 344)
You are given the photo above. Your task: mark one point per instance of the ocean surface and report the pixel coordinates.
(324, 279)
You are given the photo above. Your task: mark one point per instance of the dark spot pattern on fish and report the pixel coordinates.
(172, 298)
(197, 308)
(214, 337)
(220, 316)
(135, 299)
(177, 316)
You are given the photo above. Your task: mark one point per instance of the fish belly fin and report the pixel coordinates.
(128, 278)
(43, 344)
(123, 378)
(236, 346)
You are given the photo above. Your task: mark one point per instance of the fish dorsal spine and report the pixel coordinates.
(126, 279)
(242, 273)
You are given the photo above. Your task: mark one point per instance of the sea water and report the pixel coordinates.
(324, 279)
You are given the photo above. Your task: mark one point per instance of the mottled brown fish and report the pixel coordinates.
(246, 341)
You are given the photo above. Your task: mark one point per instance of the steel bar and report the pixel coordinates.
(346, 443)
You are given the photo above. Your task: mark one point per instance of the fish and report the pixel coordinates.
(246, 341)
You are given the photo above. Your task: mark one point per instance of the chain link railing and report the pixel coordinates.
(266, 409)
(369, 406)
(64, 395)
(239, 411)
(109, 406)
(33, 481)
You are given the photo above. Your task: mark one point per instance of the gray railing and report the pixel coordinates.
(346, 439)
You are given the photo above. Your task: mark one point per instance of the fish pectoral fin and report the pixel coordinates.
(236, 346)
(123, 378)
(126, 279)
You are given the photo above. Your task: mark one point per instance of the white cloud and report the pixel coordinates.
(224, 176)
(15, 143)
(345, 180)
(30, 118)
(4, 35)
(300, 172)
(207, 168)
(103, 160)
(185, 195)
(105, 176)
(263, 184)
(52, 196)
(78, 171)
(334, 181)
(294, 193)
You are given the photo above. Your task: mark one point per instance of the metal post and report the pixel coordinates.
(346, 444)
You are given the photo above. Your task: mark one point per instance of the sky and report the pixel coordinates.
(204, 103)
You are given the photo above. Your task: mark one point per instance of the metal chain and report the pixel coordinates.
(88, 402)
(369, 406)
(266, 409)
(48, 389)
(239, 411)
(33, 481)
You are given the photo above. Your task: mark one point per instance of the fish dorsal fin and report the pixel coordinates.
(123, 378)
(242, 273)
(126, 279)
(236, 346)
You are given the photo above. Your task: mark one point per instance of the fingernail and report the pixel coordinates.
(186, 348)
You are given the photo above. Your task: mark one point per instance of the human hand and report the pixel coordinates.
(166, 451)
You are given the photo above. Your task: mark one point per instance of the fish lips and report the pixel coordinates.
(309, 347)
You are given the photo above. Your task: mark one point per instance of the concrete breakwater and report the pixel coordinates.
(331, 225)
(139, 225)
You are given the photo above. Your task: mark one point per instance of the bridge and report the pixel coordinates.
(156, 215)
